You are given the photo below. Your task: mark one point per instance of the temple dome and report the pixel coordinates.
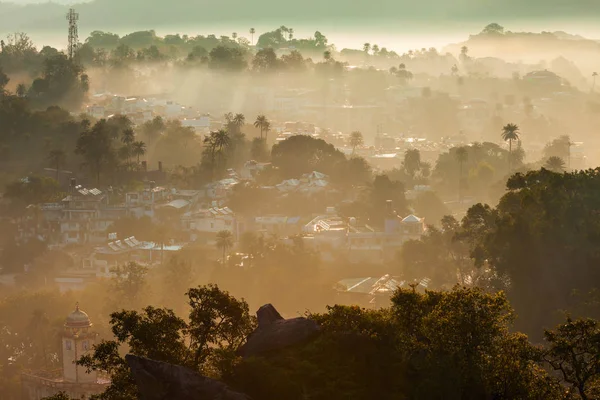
(78, 319)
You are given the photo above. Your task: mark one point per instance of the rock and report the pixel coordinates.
(162, 381)
(274, 332)
(267, 314)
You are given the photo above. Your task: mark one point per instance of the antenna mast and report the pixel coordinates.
(72, 17)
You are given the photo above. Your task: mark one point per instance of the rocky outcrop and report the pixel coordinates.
(161, 381)
(274, 332)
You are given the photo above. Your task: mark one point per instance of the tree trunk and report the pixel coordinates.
(509, 156)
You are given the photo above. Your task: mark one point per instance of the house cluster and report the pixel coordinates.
(140, 110)
(362, 242)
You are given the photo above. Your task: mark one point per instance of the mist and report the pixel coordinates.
(369, 185)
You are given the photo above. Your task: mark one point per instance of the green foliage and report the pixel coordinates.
(227, 59)
(218, 324)
(453, 344)
(573, 351)
(301, 154)
(540, 241)
(63, 83)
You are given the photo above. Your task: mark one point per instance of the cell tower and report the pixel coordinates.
(72, 17)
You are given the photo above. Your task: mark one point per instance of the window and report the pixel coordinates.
(68, 345)
(85, 345)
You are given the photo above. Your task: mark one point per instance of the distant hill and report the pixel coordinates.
(533, 47)
(120, 14)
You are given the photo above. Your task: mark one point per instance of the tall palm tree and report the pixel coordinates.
(555, 164)
(128, 137)
(356, 139)
(267, 127)
(57, 159)
(510, 132)
(462, 155)
(594, 75)
(238, 121)
(224, 243)
(261, 122)
(138, 149)
(252, 32)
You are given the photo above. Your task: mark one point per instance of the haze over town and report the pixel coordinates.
(222, 201)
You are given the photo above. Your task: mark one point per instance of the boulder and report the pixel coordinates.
(162, 381)
(274, 332)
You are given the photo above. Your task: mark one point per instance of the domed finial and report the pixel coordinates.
(77, 306)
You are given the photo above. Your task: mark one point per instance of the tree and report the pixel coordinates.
(227, 59)
(356, 140)
(301, 154)
(541, 229)
(238, 121)
(138, 149)
(252, 32)
(224, 243)
(21, 90)
(265, 60)
(412, 162)
(367, 48)
(95, 145)
(555, 164)
(57, 159)
(262, 123)
(461, 156)
(510, 132)
(128, 284)
(493, 29)
(403, 74)
(574, 349)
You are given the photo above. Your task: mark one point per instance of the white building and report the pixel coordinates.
(77, 340)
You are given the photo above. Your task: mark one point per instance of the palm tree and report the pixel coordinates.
(267, 127)
(462, 155)
(128, 137)
(138, 149)
(57, 159)
(261, 122)
(510, 132)
(356, 139)
(224, 243)
(238, 121)
(366, 47)
(252, 32)
(555, 164)
(594, 75)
